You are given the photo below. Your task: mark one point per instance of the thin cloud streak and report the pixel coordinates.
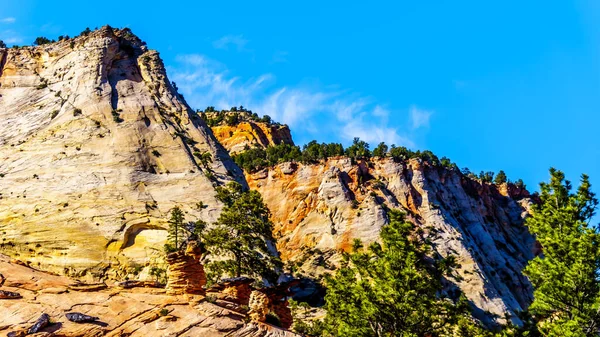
(10, 37)
(8, 20)
(237, 41)
(419, 117)
(337, 113)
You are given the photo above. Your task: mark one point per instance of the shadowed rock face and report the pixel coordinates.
(96, 147)
(320, 209)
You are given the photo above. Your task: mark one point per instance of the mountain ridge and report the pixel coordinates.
(98, 147)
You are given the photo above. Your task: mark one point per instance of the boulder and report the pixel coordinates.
(9, 295)
(42, 322)
(80, 318)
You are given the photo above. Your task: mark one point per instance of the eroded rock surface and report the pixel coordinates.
(143, 312)
(96, 147)
(247, 133)
(320, 209)
(185, 274)
(259, 305)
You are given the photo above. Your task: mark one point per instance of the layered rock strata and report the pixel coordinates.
(185, 273)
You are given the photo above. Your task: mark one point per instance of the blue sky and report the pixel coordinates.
(512, 85)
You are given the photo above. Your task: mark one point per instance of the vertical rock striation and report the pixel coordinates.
(96, 147)
(320, 209)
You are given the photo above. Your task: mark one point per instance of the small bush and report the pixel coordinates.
(77, 112)
(163, 312)
(156, 153)
(116, 116)
(169, 248)
(273, 319)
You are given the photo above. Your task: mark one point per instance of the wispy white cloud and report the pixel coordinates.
(307, 109)
(226, 41)
(8, 20)
(419, 117)
(10, 37)
(374, 133)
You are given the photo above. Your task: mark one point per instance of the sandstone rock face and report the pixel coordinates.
(259, 305)
(237, 289)
(185, 274)
(249, 133)
(96, 147)
(143, 312)
(319, 209)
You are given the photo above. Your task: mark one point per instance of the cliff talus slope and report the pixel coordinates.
(96, 147)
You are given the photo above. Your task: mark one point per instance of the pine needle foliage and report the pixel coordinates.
(566, 276)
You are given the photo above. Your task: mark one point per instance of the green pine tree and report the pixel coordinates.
(358, 150)
(242, 234)
(380, 150)
(176, 232)
(500, 178)
(390, 290)
(566, 277)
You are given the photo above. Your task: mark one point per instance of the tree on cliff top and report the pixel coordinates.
(566, 277)
(359, 149)
(41, 40)
(242, 235)
(380, 150)
(2, 44)
(390, 289)
(500, 178)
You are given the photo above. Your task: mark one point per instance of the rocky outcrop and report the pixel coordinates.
(247, 132)
(96, 147)
(320, 209)
(9, 295)
(237, 289)
(137, 312)
(78, 317)
(42, 322)
(185, 273)
(259, 305)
